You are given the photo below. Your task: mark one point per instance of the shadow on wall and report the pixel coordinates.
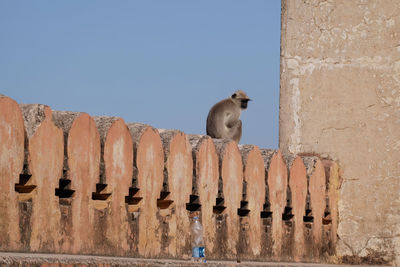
(72, 183)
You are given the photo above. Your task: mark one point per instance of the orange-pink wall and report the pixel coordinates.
(75, 184)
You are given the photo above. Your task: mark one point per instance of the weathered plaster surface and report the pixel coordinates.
(340, 96)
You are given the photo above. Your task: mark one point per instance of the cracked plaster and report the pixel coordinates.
(340, 96)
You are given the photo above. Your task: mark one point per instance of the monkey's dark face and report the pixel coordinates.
(243, 103)
(240, 99)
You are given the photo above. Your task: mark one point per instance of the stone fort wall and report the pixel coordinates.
(75, 184)
(81, 185)
(340, 96)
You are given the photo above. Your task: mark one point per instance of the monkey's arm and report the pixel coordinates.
(235, 132)
(232, 119)
(234, 124)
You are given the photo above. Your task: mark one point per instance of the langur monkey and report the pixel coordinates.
(223, 119)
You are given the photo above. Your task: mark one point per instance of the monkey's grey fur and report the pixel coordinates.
(223, 119)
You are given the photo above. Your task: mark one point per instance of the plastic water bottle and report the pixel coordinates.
(198, 249)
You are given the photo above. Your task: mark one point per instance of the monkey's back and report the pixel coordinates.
(216, 127)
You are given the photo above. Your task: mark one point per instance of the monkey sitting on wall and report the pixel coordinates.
(223, 119)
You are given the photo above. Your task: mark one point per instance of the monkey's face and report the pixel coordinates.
(243, 103)
(240, 99)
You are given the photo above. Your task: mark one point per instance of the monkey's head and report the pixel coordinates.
(240, 98)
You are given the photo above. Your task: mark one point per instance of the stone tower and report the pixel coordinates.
(340, 97)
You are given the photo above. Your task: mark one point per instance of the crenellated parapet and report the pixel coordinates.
(75, 184)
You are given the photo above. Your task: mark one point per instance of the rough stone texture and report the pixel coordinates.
(103, 124)
(46, 155)
(267, 156)
(340, 74)
(11, 161)
(64, 121)
(34, 115)
(179, 169)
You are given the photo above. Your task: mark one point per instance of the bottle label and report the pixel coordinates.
(198, 252)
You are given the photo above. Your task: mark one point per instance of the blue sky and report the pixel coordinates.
(164, 63)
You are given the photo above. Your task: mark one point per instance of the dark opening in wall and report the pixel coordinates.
(64, 187)
(287, 213)
(266, 213)
(194, 203)
(99, 194)
(219, 201)
(163, 202)
(308, 218)
(243, 210)
(133, 197)
(327, 219)
(22, 186)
